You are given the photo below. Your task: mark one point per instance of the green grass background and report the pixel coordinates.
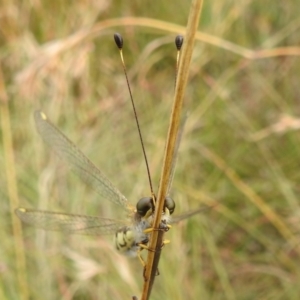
(240, 148)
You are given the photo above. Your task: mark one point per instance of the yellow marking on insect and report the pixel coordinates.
(140, 257)
(149, 230)
(44, 117)
(148, 214)
(124, 240)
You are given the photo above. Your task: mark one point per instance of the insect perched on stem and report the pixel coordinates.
(132, 235)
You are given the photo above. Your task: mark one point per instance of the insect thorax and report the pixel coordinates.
(127, 239)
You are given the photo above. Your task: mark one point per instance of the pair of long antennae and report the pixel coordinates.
(119, 42)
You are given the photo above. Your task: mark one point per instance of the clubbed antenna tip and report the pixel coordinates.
(118, 40)
(179, 42)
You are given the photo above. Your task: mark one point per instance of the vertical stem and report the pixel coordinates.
(156, 236)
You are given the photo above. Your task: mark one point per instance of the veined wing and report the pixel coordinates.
(187, 215)
(68, 223)
(77, 161)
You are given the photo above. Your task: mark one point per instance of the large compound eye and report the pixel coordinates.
(170, 204)
(143, 206)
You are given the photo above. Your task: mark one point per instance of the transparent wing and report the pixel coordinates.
(189, 214)
(77, 161)
(68, 223)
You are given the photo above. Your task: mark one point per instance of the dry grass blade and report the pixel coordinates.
(157, 236)
(273, 217)
(20, 260)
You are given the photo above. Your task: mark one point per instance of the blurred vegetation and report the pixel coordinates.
(240, 148)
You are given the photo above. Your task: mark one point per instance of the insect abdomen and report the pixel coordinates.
(124, 241)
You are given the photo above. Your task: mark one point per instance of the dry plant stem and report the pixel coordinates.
(157, 236)
(20, 266)
(55, 48)
(270, 214)
(201, 36)
(256, 234)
